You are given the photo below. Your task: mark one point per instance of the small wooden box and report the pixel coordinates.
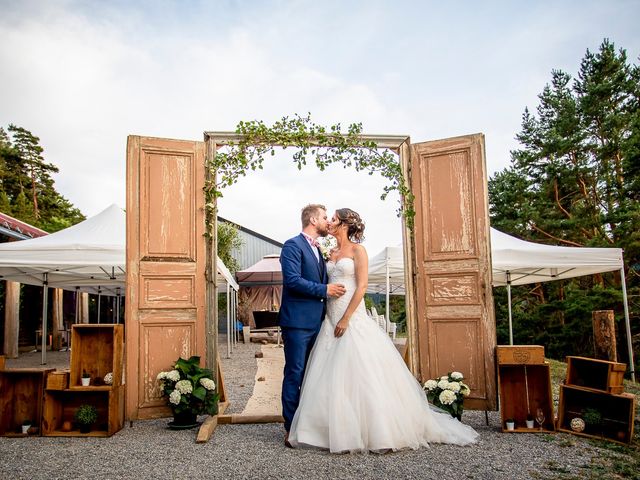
(58, 380)
(520, 354)
(97, 350)
(594, 374)
(1, 362)
(516, 381)
(617, 412)
(21, 392)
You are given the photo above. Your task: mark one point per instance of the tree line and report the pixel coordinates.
(27, 190)
(575, 181)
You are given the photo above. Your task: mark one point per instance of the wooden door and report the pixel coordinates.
(165, 316)
(454, 304)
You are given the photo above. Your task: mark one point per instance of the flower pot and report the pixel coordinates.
(85, 428)
(86, 381)
(184, 420)
(511, 425)
(25, 429)
(529, 423)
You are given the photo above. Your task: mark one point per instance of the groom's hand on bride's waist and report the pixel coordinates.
(335, 290)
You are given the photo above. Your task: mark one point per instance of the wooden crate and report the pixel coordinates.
(61, 405)
(514, 382)
(97, 350)
(520, 354)
(618, 413)
(58, 380)
(599, 375)
(21, 392)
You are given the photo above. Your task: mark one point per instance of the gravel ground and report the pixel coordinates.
(150, 450)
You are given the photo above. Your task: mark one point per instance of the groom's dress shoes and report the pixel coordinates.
(286, 441)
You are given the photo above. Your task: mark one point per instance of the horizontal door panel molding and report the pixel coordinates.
(167, 291)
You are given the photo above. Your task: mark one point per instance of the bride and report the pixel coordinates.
(357, 393)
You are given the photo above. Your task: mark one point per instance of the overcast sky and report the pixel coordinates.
(84, 75)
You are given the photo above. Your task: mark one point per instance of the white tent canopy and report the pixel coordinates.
(89, 256)
(514, 262)
(528, 262)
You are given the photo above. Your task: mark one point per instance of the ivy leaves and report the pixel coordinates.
(323, 145)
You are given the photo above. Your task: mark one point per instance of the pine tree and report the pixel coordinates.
(575, 181)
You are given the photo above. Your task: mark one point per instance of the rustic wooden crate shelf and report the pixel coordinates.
(97, 350)
(21, 391)
(61, 405)
(514, 383)
(594, 374)
(617, 411)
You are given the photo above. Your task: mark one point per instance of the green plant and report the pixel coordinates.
(26, 423)
(448, 392)
(328, 146)
(85, 374)
(592, 417)
(190, 388)
(86, 415)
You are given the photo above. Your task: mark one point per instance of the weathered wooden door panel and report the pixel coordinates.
(165, 264)
(456, 327)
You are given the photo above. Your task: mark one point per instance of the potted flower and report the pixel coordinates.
(26, 425)
(511, 424)
(529, 420)
(190, 391)
(448, 392)
(86, 379)
(85, 416)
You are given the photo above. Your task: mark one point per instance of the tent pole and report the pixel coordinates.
(625, 302)
(118, 305)
(75, 320)
(99, 298)
(509, 302)
(45, 300)
(228, 326)
(386, 326)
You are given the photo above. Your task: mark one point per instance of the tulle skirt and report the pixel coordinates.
(358, 395)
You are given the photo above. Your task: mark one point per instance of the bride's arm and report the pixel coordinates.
(361, 262)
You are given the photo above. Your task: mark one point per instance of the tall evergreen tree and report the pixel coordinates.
(575, 181)
(26, 183)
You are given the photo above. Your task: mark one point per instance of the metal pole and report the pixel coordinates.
(509, 302)
(386, 327)
(77, 304)
(228, 326)
(99, 298)
(45, 300)
(118, 305)
(625, 302)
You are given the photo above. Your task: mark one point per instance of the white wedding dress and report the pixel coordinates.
(358, 394)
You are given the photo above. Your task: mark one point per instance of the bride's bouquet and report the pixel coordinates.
(448, 392)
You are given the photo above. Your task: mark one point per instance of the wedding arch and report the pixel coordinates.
(171, 244)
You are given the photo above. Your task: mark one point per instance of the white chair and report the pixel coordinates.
(382, 322)
(392, 327)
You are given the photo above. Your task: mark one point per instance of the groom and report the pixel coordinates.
(304, 294)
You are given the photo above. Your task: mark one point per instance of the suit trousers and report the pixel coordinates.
(298, 343)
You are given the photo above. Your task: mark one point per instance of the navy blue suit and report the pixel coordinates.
(304, 303)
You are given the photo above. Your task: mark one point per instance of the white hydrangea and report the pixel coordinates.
(173, 375)
(208, 383)
(175, 397)
(445, 377)
(430, 384)
(457, 375)
(464, 389)
(162, 376)
(447, 397)
(184, 387)
(443, 384)
(454, 387)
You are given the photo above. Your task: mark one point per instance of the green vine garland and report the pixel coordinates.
(327, 145)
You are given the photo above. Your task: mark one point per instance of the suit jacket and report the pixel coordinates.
(304, 288)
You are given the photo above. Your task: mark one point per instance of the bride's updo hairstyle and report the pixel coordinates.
(355, 225)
